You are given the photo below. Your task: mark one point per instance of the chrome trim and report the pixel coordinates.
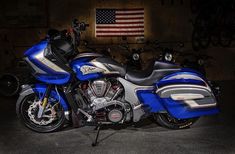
(170, 69)
(186, 96)
(100, 65)
(182, 86)
(169, 91)
(193, 104)
(40, 57)
(66, 114)
(89, 117)
(36, 69)
(119, 91)
(138, 106)
(81, 55)
(184, 76)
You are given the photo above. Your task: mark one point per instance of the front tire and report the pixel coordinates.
(165, 120)
(23, 109)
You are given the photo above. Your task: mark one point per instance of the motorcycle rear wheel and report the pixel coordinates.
(22, 109)
(165, 120)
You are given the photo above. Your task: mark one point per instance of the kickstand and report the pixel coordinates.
(97, 135)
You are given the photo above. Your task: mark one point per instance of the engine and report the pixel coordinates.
(105, 100)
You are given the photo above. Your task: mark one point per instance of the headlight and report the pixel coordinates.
(136, 56)
(168, 57)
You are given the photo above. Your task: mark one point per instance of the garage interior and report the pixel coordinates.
(193, 28)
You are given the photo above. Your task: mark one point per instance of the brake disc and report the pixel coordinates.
(49, 114)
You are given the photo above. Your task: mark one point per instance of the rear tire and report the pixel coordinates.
(22, 112)
(165, 120)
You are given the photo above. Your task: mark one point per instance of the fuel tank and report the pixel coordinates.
(90, 66)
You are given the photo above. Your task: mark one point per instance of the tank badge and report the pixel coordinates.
(86, 69)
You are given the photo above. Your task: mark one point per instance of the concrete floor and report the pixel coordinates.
(214, 134)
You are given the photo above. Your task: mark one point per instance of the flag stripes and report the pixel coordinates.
(119, 22)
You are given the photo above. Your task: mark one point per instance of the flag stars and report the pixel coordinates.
(105, 16)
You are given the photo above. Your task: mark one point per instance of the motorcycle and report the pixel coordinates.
(91, 89)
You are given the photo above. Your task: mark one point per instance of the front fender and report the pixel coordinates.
(39, 90)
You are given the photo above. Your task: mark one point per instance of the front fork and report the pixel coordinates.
(44, 101)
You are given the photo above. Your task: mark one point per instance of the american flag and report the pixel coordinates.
(119, 22)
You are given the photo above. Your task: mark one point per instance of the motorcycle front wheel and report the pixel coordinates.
(166, 120)
(52, 120)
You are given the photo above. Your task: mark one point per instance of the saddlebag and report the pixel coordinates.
(188, 101)
(186, 94)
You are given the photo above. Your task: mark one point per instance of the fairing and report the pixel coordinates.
(44, 69)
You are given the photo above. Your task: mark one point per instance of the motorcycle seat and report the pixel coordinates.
(151, 74)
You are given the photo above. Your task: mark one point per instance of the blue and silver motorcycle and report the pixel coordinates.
(89, 88)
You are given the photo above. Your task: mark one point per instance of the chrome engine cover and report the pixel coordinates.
(102, 94)
(115, 115)
(100, 103)
(105, 96)
(99, 87)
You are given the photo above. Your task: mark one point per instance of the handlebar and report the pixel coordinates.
(77, 28)
(73, 34)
